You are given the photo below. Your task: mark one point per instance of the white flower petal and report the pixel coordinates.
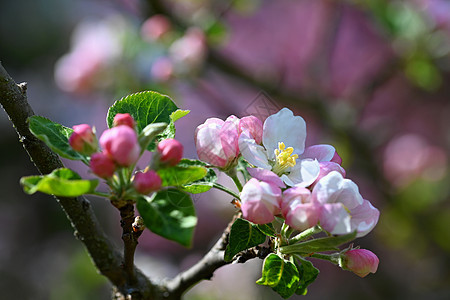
(327, 189)
(304, 173)
(252, 152)
(284, 127)
(335, 219)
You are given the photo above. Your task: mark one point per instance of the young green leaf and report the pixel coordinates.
(55, 136)
(267, 229)
(149, 133)
(178, 114)
(61, 182)
(280, 274)
(308, 274)
(179, 176)
(202, 185)
(319, 245)
(146, 108)
(243, 235)
(170, 214)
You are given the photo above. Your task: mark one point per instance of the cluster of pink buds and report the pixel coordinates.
(120, 149)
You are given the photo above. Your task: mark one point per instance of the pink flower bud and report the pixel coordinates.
(124, 119)
(83, 139)
(254, 126)
(260, 201)
(147, 182)
(121, 145)
(359, 261)
(217, 141)
(171, 151)
(102, 166)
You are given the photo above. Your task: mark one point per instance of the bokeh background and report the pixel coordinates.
(370, 77)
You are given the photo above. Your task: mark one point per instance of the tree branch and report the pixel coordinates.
(205, 268)
(78, 210)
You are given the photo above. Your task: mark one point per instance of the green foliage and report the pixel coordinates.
(319, 245)
(202, 185)
(147, 108)
(267, 229)
(181, 174)
(307, 273)
(61, 182)
(280, 274)
(149, 133)
(170, 214)
(55, 136)
(243, 235)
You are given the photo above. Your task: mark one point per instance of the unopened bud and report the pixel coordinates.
(359, 261)
(124, 119)
(102, 166)
(170, 151)
(147, 182)
(121, 144)
(83, 139)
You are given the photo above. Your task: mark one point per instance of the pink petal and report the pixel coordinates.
(364, 218)
(266, 175)
(319, 152)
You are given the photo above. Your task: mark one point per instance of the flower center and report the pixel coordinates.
(283, 159)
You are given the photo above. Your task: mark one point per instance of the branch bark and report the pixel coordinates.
(106, 258)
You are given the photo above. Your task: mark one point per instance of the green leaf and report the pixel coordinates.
(319, 245)
(202, 185)
(146, 108)
(55, 136)
(170, 214)
(180, 175)
(149, 133)
(243, 235)
(178, 114)
(308, 274)
(267, 229)
(280, 274)
(61, 182)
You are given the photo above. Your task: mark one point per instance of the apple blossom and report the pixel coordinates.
(359, 261)
(327, 167)
(253, 125)
(343, 208)
(101, 165)
(260, 201)
(121, 145)
(83, 139)
(283, 149)
(298, 208)
(217, 141)
(146, 182)
(124, 119)
(170, 151)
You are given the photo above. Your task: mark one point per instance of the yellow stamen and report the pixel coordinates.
(284, 158)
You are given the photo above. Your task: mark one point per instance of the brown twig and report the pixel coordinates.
(205, 268)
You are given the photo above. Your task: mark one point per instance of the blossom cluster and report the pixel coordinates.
(306, 186)
(120, 149)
